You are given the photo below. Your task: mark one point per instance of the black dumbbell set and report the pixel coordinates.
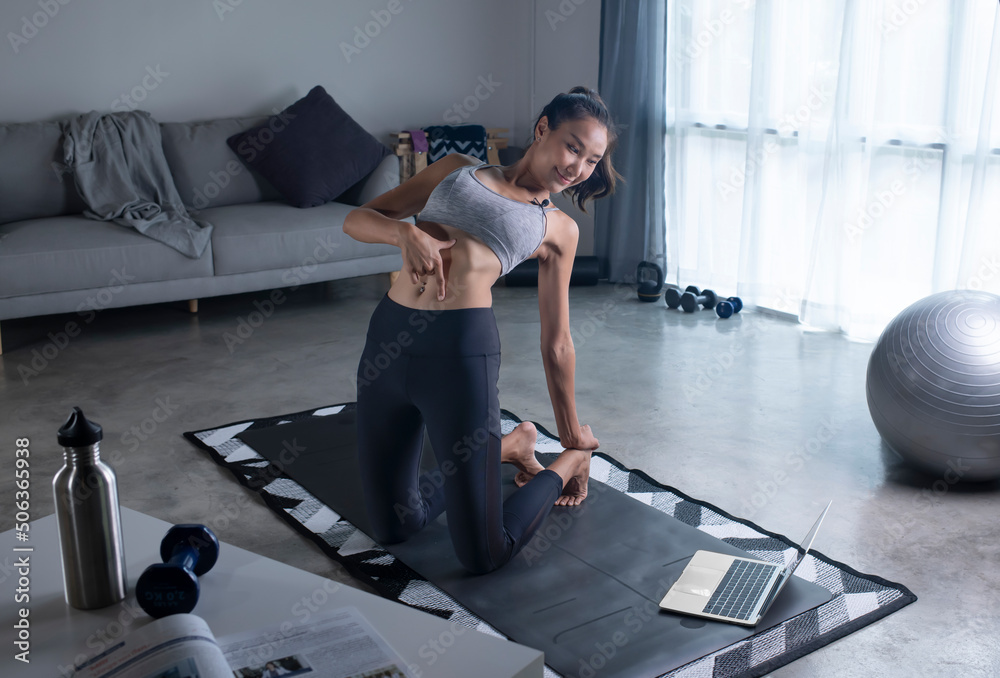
(692, 297)
(689, 299)
(171, 587)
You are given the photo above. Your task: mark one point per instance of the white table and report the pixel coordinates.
(243, 592)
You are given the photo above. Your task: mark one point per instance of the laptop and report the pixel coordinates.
(730, 588)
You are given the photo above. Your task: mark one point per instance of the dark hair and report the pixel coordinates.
(577, 104)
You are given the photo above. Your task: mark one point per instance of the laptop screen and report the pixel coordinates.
(807, 542)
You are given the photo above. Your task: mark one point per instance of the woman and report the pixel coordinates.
(435, 342)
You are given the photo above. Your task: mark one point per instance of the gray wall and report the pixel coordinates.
(391, 64)
(567, 51)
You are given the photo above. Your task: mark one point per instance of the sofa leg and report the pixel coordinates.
(1, 344)
(192, 305)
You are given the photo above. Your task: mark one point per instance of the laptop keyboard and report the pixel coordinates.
(738, 592)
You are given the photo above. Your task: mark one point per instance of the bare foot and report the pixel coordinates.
(518, 448)
(575, 489)
(573, 466)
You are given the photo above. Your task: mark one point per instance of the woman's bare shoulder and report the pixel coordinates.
(561, 237)
(459, 160)
(561, 228)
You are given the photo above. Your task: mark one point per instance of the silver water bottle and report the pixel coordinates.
(90, 526)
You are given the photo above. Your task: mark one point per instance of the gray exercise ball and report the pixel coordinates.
(933, 385)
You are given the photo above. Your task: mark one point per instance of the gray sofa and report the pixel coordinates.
(55, 260)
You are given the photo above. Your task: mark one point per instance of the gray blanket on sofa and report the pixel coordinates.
(117, 162)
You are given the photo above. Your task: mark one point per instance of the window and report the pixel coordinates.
(818, 152)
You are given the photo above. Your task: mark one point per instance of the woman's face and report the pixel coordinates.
(568, 155)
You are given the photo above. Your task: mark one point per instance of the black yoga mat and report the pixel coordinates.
(588, 594)
(585, 590)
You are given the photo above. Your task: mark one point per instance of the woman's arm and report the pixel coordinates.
(409, 197)
(555, 265)
(381, 220)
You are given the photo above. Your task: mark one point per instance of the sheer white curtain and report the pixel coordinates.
(833, 159)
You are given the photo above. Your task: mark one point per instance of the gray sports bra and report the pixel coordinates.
(511, 228)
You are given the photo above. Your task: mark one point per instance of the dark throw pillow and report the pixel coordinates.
(311, 152)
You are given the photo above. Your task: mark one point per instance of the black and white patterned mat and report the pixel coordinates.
(858, 599)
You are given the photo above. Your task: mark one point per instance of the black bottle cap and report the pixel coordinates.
(78, 431)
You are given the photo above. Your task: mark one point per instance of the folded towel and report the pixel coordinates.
(445, 139)
(419, 140)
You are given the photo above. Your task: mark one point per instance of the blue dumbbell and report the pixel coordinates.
(729, 306)
(171, 587)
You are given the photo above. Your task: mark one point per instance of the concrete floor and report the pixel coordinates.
(716, 408)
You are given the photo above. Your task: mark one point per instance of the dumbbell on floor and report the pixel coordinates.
(673, 295)
(728, 306)
(171, 587)
(690, 300)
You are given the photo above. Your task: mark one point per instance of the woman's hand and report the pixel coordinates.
(422, 256)
(585, 440)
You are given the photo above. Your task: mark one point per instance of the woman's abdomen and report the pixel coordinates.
(470, 267)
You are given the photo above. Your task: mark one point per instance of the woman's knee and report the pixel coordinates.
(393, 524)
(478, 557)
(479, 565)
(388, 532)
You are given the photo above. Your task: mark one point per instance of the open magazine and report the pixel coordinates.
(337, 644)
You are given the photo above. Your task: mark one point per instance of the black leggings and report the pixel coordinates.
(439, 369)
